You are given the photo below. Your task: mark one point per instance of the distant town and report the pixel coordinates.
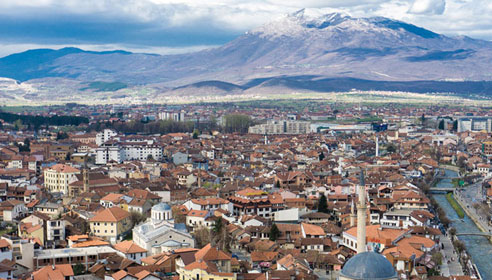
(256, 190)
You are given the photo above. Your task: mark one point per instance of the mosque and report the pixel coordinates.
(366, 265)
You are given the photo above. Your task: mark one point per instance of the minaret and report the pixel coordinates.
(85, 175)
(199, 178)
(377, 146)
(266, 139)
(361, 216)
(352, 215)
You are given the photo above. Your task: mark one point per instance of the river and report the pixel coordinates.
(478, 247)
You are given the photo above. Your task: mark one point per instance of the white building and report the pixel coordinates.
(212, 203)
(55, 230)
(126, 151)
(12, 209)
(281, 127)
(104, 136)
(474, 124)
(59, 176)
(159, 234)
(175, 116)
(131, 251)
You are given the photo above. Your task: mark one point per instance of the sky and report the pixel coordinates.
(177, 26)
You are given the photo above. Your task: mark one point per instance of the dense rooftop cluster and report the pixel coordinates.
(216, 205)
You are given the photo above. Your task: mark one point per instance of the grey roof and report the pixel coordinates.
(161, 207)
(369, 266)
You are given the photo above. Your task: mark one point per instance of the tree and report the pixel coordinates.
(237, 123)
(179, 218)
(422, 119)
(441, 125)
(202, 236)
(18, 125)
(67, 157)
(84, 226)
(195, 134)
(452, 232)
(461, 162)
(274, 232)
(25, 147)
(136, 218)
(61, 135)
(78, 269)
(459, 246)
(323, 204)
(455, 125)
(218, 226)
(321, 156)
(278, 184)
(437, 258)
(391, 148)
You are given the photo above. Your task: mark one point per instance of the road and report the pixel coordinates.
(453, 268)
(470, 195)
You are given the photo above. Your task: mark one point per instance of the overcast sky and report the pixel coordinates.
(172, 26)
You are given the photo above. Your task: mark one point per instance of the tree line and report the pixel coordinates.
(233, 123)
(37, 121)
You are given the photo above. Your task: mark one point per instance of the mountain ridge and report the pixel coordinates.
(331, 46)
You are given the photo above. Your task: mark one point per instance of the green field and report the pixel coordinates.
(105, 86)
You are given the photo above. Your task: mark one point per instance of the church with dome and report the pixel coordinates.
(160, 233)
(366, 265)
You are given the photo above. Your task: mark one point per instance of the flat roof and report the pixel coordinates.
(73, 252)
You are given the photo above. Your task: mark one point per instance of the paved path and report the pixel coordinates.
(454, 267)
(467, 197)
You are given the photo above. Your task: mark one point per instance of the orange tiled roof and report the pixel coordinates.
(129, 247)
(113, 214)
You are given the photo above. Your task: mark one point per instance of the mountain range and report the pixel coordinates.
(298, 53)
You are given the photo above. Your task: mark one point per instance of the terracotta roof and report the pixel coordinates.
(63, 168)
(209, 253)
(310, 229)
(90, 243)
(113, 214)
(59, 273)
(198, 213)
(129, 247)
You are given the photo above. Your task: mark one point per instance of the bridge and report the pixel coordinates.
(441, 190)
(445, 177)
(489, 235)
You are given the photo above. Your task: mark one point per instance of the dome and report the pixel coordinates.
(161, 207)
(370, 266)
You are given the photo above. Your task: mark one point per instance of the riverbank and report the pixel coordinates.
(473, 215)
(456, 205)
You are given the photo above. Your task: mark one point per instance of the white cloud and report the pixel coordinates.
(452, 17)
(435, 7)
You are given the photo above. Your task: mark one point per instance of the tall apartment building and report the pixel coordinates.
(281, 127)
(123, 151)
(474, 124)
(104, 136)
(178, 116)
